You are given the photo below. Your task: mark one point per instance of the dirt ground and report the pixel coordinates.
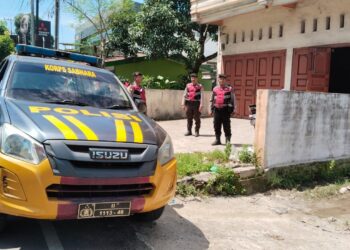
(277, 220)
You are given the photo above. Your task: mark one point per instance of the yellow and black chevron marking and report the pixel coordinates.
(90, 135)
(121, 132)
(67, 132)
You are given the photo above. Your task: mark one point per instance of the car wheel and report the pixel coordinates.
(3, 218)
(150, 216)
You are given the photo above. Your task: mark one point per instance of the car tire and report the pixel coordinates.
(150, 216)
(3, 218)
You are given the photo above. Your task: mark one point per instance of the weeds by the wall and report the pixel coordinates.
(309, 175)
(226, 183)
(245, 156)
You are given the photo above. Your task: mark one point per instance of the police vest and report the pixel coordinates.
(222, 97)
(194, 92)
(138, 93)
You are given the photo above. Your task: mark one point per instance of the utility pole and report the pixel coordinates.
(37, 23)
(32, 29)
(57, 20)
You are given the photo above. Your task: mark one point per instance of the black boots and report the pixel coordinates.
(196, 134)
(188, 133)
(217, 141)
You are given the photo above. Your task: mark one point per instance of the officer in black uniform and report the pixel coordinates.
(222, 107)
(192, 103)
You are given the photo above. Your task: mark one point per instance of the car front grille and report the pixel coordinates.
(60, 191)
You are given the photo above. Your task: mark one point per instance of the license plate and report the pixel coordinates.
(105, 209)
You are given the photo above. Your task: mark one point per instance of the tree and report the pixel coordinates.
(96, 13)
(3, 28)
(119, 22)
(164, 28)
(6, 43)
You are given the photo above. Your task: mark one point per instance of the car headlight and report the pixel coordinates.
(19, 145)
(166, 151)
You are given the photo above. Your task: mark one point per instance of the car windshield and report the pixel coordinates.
(69, 85)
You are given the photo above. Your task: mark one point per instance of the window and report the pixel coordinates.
(302, 26)
(315, 23)
(235, 37)
(328, 23)
(281, 31)
(243, 36)
(342, 21)
(227, 38)
(251, 35)
(223, 46)
(260, 34)
(270, 32)
(32, 82)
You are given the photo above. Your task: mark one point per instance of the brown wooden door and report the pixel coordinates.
(249, 72)
(311, 69)
(320, 69)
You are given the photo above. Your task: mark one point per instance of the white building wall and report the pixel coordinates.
(291, 20)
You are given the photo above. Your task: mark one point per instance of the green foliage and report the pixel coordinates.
(228, 149)
(6, 46)
(245, 156)
(164, 28)
(194, 163)
(320, 192)
(309, 174)
(3, 28)
(186, 190)
(161, 82)
(120, 22)
(226, 183)
(191, 163)
(156, 27)
(217, 156)
(168, 68)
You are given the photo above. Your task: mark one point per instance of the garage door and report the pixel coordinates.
(249, 72)
(311, 69)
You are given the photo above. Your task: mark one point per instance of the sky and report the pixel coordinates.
(10, 8)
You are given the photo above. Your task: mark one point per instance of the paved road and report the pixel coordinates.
(279, 220)
(242, 133)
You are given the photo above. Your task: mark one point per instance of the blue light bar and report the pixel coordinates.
(23, 49)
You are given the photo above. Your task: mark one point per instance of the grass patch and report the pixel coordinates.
(191, 163)
(309, 175)
(194, 163)
(226, 183)
(320, 192)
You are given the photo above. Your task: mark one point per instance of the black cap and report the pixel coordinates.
(193, 75)
(222, 76)
(137, 73)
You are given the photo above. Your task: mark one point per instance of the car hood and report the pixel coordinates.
(44, 121)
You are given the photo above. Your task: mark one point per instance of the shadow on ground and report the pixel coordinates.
(170, 232)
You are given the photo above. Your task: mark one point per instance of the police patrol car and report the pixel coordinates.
(74, 145)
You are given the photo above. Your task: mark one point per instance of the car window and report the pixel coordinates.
(50, 83)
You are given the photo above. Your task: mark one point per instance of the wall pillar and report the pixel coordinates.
(288, 69)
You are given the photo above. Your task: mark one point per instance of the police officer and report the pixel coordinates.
(192, 103)
(222, 106)
(136, 90)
